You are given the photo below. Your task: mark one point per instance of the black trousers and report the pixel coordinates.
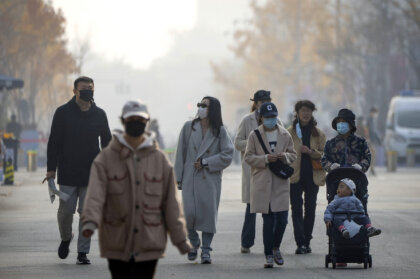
(303, 225)
(132, 270)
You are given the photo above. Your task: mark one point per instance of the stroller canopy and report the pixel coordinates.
(356, 175)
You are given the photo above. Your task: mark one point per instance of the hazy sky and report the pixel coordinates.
(135, 31)
(156, 50)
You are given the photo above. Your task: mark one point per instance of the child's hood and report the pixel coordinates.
(149, 141)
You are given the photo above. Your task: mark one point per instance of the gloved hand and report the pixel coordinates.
(334, 166)
(357, 166)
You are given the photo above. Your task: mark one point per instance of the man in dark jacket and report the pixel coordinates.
(72, 146)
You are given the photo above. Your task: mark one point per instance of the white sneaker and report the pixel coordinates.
(269, 261)
(277, 257)
(205, 258)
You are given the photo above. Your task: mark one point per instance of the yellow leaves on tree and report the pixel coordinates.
(33, 48)
(277, 50)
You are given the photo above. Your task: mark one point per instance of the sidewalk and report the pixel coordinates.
(29, 236)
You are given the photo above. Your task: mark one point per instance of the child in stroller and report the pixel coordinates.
(346, 201)
(355, 249)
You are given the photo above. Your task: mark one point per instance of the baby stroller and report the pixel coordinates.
(356, 249)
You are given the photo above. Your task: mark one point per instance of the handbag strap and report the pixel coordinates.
(257, 132)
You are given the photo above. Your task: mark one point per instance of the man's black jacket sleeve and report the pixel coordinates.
(54, 141)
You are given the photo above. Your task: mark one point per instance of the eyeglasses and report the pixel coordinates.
(201, 105)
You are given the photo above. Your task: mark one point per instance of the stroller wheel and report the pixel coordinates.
(334, 262)
(370, 261)
(366, 262)
(327, 260)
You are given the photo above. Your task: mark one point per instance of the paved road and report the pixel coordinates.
(29, 237)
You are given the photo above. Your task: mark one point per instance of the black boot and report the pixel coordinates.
(63, 249)
(82, 259)
(301, 249)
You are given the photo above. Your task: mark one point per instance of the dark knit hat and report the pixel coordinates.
(348, 116)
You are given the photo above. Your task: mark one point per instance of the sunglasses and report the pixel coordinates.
(201, 105)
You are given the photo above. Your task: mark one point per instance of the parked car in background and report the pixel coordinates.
(403, 124)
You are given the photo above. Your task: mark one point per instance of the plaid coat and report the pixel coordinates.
(346, 152)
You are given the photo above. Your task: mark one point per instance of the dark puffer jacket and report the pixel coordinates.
(74, 142)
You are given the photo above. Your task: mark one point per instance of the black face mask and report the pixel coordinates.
(134, 128)
(86, 95)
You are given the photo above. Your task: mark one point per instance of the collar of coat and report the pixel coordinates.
(125, 151)
(340, 137)
(72, 103)
(293, 133)
(204, 144)
(280, 132)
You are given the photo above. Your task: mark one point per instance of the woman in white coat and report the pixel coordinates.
(204, 151)
(270, 193)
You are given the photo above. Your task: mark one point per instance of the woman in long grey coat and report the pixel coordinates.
(270, 193)
(204, 151)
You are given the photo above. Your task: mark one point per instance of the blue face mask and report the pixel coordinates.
(298, 130)
(343, 128)
(270, 122)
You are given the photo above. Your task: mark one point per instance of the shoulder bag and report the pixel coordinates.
(278, 167)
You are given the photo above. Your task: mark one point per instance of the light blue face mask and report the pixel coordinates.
(298, 130)
(270, 122)
(343, 128)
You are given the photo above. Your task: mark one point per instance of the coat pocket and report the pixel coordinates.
(154, 234)
(114, 233)
(153, 184)
(117, 195)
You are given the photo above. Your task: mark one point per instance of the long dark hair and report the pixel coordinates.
(312, 123)
(214, 115)
(254, 106)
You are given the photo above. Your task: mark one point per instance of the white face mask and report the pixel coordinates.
(202, 113)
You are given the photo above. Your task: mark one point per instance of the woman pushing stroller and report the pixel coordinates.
(349, 154)
(346, 149)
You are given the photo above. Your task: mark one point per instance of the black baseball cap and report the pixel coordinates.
(268, 109)
(261, 95)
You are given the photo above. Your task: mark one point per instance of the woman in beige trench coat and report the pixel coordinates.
(270, 193)
(249, 123)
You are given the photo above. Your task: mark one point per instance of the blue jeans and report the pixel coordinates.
(195, 239)
(274, 225)
(248, 230)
